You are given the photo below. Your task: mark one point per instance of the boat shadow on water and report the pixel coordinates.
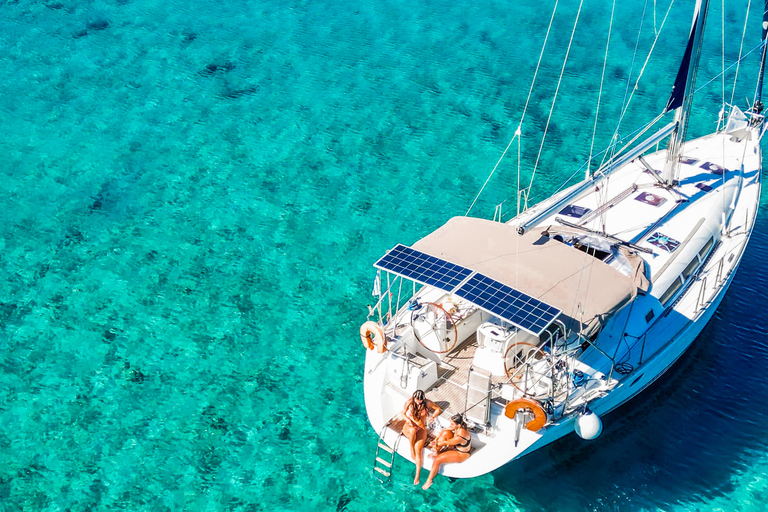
(685, 439)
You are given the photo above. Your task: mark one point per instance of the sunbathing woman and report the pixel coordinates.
(452, 445)
(415, 413)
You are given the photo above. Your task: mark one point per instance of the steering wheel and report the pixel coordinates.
(527, 365)
(439, 321)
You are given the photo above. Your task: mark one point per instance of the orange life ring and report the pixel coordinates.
(539, 416)
(372, 335)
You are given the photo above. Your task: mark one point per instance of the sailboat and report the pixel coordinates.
(536, 327)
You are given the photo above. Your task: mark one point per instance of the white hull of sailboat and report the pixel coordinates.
(659, 342)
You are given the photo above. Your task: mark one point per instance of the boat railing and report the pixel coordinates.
(387, 296)
(408, 357)
(522, 199)
(719, 270)
(702, 290)
(497, 213)
(543, 374)
(701, 300)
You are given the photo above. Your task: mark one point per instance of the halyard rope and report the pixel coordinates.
(522, 118)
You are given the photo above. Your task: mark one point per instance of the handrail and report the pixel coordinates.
(719, 275)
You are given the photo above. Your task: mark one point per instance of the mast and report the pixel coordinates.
(682, 92)
(758, 106)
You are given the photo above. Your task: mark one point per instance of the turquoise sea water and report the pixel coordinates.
(193, 193)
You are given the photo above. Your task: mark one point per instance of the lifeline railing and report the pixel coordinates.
(387, 294)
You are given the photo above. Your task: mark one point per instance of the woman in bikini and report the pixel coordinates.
(451, 446)
(416, 411)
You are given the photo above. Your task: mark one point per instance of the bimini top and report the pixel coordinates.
(585, 289)
(497, 298)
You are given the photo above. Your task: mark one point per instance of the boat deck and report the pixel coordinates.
(450, 391)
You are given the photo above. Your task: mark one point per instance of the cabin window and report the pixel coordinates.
(649, 316)
(691, 268)
(671, 291)
(707, 246)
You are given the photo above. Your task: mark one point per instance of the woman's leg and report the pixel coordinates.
(410, 432)
(421, 438)
(451, 456)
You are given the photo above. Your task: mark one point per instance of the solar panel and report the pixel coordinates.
(505, 302)
(423, 268)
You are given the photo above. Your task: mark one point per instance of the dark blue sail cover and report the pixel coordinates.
(678, 89)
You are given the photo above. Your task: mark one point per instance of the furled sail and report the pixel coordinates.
(682, 92)
(678, 89)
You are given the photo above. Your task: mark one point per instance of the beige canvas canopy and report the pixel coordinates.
(584, 288)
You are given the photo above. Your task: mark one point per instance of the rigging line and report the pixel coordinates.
(741, 48)
(610, 151)
(538, 64)
(519, 156)
(743, 57)
(626, 105)
(645, 64)
(637, 136)
(525, 109)
(632, 66)
(600, 94)
(517, 133)
(557, 90)
(722, 56)
(612, 145)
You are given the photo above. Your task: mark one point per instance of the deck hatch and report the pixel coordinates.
(713, 168)
(575, 211)
(505, 302)
(423, 268)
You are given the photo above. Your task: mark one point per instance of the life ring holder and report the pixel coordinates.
(448, 317)
(372, 336)
(539, 416)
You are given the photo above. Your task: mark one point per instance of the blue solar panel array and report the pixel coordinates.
(423, 268)
(503, 301)
(497, 298)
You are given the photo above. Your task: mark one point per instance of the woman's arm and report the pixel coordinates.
(408, 413)
(406, 406)
(453, 440)
(435, 407)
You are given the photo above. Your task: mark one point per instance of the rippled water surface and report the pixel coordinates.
(193, 193)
